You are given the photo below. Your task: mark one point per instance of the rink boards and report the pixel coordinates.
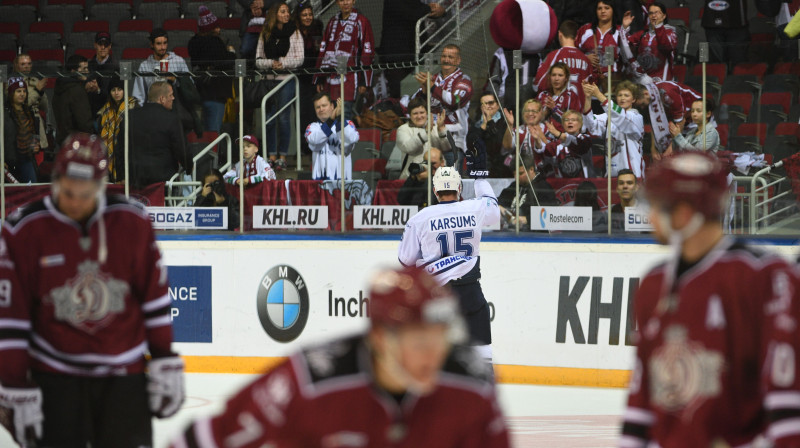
(561, 310)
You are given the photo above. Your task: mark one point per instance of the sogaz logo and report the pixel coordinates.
(283, 303)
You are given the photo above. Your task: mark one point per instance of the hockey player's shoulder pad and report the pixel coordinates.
(465, 362)
(332, 360)
(18, 215)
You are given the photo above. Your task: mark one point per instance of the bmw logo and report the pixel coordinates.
(283, 303)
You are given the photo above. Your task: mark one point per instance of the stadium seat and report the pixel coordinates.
(136, 53)
(759, 69)
(218, 8)
(376, 165)
(787, 68)
(110, 12)
(64, 14)
(41, 41)
(26, 3)
(47, 27)
(782, 82)
(8, 42)
(131, 39)
(230, 23)
(364, 150)
(159, 12)
(794, 114)
(370, 135)
(10, 28)
(771, 114)
(713, 88)
(127, 2)
(88, 53)
(753, 129)
(680, 71)
(718, 70)
(93, 26)
(66, 2)
(386, 150)
(145, 25)
(180, 25)
(23, 15)
(7, 57)
(47, 55)
(723, 131)
(787, 129)
(231, 37)
(182, 52)
(180, 38)
(743, 100)
(743, 143)
(81, 40)
(781, 98)
(740, 84)
(681, 14)
(781, 149)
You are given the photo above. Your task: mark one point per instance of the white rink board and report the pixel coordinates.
(522, 280)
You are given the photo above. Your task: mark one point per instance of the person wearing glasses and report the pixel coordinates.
(491, 128)
(651, 51)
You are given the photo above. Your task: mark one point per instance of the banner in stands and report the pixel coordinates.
(290, 217)
(185, 218)
(190, 291)
(382, 216)
(561, 313)
(16, 196)
(561, 218)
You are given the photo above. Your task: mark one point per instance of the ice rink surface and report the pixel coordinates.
(538, 416)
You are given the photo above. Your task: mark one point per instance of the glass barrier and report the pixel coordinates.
(174, 144)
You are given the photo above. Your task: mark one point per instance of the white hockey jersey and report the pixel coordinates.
(446, 238)
(627, 131)
(258, 170)
(323, 140)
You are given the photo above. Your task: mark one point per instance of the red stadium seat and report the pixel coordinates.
(377, 165)
(94, 26)
(34, 3)
(787, 68)
(370, 135)
(182, 52)
(723, 130)
(680, 71)
(128, 2)
(753, 129)
(229, 23)
(53, 54)
(787, 129)
(180, 25)
(681, 13)
(7, 55)
(88, 53)
(718, 70)
(47, 27)
(145, 25)
(10, 28)
(782, 98)
(759, 69)
(67, 2)
(136, 53)
(392, 136)
(744, 100)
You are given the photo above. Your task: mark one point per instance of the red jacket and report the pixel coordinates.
(655, 51)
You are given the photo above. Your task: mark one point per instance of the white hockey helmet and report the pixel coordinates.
(446, 178)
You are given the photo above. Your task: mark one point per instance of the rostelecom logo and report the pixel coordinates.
(543, 218)
(283, 303)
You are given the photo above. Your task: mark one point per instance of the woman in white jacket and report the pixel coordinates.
(627, 125)
(412, 137)
(280, 47)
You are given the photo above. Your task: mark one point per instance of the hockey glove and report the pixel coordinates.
(476, 159)
(21, 414)
(165, 385)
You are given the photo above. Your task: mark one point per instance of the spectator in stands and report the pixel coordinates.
(280, 47)
(71, 107)
(561, 95)
(102, 60)
(593, 38)
(586, 196)
(214, 194)
(569, 147)
(348, 33)
(398, 34)
(579, 66)
(692, 139)
(311, 30)
(638, 11)
(21, 136)
(256, 169)
(37, 98)
(415, 189)
(412, 137)
(109, 122)
(157, 145)
(209, 52)
(161, 60)
(627, 125)
(490, 128)
(252, 23)
(627, 188)
(727, 31)
(533, 191)
(672, 101)
(323, 138)
(650, 52)
(451, 91)
(97, 96)
(533, 135)
(579, 11)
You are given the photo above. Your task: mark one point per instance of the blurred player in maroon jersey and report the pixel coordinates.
(716, 362)
(403, 384)
(83, 299)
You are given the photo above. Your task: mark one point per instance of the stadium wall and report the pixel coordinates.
(561, 310)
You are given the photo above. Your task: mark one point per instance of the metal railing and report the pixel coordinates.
(439, 33)
(760, 212)
(264, 121)
(183, 200)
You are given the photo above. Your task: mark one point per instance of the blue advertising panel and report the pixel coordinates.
(190, 291)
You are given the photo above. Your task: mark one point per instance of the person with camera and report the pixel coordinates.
(415, 189)
(412, 137)
(215, 195)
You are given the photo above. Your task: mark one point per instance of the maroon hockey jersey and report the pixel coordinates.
(715, 355)
(325, 397)
(677, 99)
(592, 40)
(568, 155)
(655, 51)
(353, 38)
(579, 69)
(564, 101)
(65, 310)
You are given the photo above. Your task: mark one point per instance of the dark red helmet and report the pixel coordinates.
(82, 156)
(410, 295)
(694, 177)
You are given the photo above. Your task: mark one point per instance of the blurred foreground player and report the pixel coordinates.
(83, 299)
(716, 362)
(402, 384)
(445, 239)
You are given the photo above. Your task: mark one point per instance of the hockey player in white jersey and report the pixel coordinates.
(445, 239)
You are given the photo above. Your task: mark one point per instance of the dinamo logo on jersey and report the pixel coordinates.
(90, 299)
(283, 303)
